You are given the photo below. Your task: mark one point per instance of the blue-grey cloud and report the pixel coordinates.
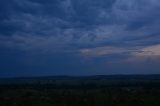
(81, 22)
(70, 26)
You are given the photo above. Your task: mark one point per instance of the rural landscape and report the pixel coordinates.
(114, 90)
(79, 52)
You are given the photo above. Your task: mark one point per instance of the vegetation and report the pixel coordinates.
(80, 92)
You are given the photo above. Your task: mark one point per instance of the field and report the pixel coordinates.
(133, 90)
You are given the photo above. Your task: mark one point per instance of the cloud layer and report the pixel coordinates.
(114, 30)
(67, 22)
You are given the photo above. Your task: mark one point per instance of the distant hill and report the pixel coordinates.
(81, 79)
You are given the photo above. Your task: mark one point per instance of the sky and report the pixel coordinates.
(79, 37)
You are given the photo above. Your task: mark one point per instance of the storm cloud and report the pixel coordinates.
(111, 30)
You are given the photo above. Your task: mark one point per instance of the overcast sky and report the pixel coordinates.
(79, 37)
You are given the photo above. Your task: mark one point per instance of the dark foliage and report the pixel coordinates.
(80, 92)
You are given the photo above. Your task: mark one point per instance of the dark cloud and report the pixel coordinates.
(78, 21)
(68, 26)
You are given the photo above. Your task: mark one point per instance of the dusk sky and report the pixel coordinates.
(79, 37)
